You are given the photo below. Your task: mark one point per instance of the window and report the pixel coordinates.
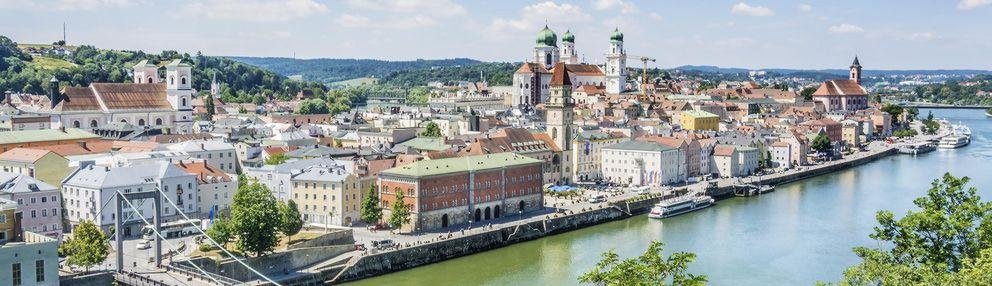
(34, 213)
(3, 218)
(158, 121)
(33, 200)
(39, 270)
(15, 273)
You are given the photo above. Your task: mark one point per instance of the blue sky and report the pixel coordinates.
(886, 34)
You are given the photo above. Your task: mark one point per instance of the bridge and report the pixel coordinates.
(942, 106)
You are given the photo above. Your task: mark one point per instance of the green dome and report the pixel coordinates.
(568, 37)
(547, 37)
(617, 35)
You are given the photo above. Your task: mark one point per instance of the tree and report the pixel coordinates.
(338, 143)
(313, 106)
(651, 268)
(948, 239)
(893, 109)
(87, 247)
(292, 222)
(431, 130)
(807, 93)
(371, 211)
(821, 144)
(276, 159)
(255, 219)
(220, 231)
(877, 98)
(400, 214)
(209, 105)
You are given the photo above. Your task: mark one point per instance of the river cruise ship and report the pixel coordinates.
(680, 205)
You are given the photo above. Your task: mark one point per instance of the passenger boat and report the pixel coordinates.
(680, 205)
(988, 112)
(954, 141)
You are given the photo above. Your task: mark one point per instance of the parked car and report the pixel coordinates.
(383, 244)
(144, 244)
(597, 198)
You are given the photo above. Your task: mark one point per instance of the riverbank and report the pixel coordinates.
(370, 265)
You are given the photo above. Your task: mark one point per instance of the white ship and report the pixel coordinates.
(954, 141)
(680, 205)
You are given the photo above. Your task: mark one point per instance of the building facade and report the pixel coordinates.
(644, 163)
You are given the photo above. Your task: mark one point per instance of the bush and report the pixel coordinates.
(204, 247)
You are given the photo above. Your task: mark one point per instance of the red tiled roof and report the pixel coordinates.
(27, 155)
(78, 99)
(560, 76)
(583, 69)
(840, 87)
(203, 172)
(531, 67)
(724, 150)
(132, 95)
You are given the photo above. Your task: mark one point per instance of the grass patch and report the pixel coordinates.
(46, 63)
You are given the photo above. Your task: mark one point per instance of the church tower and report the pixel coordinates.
(214, 86)
(568, 53)
(856, 70)
(559, 114)
(546, 48)
(616, 64)
(179, 90)
(145, 72)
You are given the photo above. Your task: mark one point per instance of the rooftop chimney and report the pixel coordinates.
(82, 144)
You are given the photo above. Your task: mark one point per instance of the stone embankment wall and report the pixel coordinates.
(335, 237)
(405, 258)
(276, 263)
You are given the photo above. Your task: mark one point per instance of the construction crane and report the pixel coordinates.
(644, 72)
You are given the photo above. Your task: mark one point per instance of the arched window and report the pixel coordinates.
(123, 120)
(150, 80)
(92, 123)
(172, 80)
(183, 80)
(184, 99)
(75, 124)
(554, 133)
(158, 121)
(141, 122)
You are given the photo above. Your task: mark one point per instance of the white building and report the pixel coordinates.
(278, 177)
(216, 188)
(33, 261)
(89, 193)
(642, 163)
(587, 153)
(217, 153)
(781, 155)
(147, 102)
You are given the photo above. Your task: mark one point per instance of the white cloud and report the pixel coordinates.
(845, 29)
(655, 16)
(805, 7)
(744, 9)
(66, 5)
(359, 21)
(923, 36)
(532, 16)
(972, 4)
(444, 8)
(255, 10)
(625, 7)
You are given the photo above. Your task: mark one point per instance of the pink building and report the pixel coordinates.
(39, 203)
(843, 94)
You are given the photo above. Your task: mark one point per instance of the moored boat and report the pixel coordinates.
(954, 141)
(680, 205)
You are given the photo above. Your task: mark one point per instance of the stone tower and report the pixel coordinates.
(568, 53)
(546, 48)
(856, 70)
(179, 89)
(145, 72)
(559, 118)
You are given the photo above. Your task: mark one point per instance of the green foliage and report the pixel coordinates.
(930, 126)
(418, 95)
(947, 242)
(955, 92)
(903, 133)
(292, 221)
(333, 70)
(255, 219)
(877, 98)
(276, 159)
(893, 109)
(651, 268)
(313, 106)
(208, 103)
(494, 73)
(807, 93)
(89, 64)
(87, 247)
(821, 144)
(431, 130)
(400, 211)
(371, 211)
(220, 231)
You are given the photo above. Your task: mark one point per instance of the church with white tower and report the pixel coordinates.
(531, 82)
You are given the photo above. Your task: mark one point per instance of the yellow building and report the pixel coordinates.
(7, 224)
(700, 120)
(44, 165)
(327, 194)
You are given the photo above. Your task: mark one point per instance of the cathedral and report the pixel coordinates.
(149, 102)
(532, 81)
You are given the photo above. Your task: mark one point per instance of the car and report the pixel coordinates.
(144, 244)
(597, 198)
(383, 244)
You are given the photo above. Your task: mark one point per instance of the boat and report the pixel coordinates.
(954, 141)
(988, 112)
(680, 205)
(917, 148)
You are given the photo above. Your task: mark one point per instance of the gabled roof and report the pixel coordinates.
(724, 150)
(132, 95)
(583, 69)
(44, 135)
(560, 76)
(25, 155)
(19, 183)
(636, 145)
(531, 68)
(205, 173)
(839, 87)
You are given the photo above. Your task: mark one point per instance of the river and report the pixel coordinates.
(799, 234)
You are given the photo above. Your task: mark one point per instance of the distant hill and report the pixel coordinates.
(336, 70)
(837, 72)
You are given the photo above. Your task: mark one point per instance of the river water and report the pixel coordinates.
(799, 234)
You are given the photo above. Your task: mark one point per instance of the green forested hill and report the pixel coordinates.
(334, 70)
(22, 72)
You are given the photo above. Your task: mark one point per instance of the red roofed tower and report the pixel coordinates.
(559, 118)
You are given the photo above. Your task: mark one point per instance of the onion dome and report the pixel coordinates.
(617, 35)
(547, 37)
(568, 37)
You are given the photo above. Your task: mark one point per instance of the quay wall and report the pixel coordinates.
(409, 257)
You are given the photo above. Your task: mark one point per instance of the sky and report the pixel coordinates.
(885, 34)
